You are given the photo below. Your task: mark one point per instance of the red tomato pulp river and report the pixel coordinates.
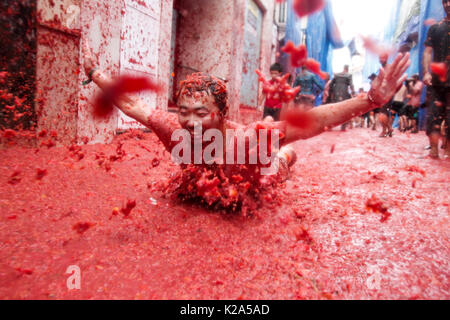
(101, 208)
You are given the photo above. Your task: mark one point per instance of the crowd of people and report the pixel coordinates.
(431, 93)
(404, 106)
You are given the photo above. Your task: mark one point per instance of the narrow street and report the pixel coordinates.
(60, 206)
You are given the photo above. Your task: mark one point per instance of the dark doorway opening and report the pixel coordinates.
(17, 64)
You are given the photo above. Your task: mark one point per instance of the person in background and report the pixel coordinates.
(341, 89)
(415, 87)
(399, 107)
(374, 113)
(365, 118)
(321, 93)
(272, 104)
(326, 90)
(385, 114)
(306, 80)
(437, 49)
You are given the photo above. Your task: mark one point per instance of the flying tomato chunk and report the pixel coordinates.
(298, 54)
(375, 47)
(291, 93)
(279, 88)
(314, 66)
(261, 77)
(307, 7)
(440, 69)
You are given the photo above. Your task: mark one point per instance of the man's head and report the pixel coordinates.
(372, 77)
(346, 68)
(361, 90)
(384, 59)
(446, 5)
(416, 77)
(202, 99)
(276, 70)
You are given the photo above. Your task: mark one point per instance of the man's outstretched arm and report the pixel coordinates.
(160, 122)
(329, 116)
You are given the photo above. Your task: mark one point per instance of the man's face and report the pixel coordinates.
(383, 59)
(275, 74)
(200, 108)
(446, 4)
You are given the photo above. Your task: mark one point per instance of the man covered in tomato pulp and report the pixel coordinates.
(202, 103)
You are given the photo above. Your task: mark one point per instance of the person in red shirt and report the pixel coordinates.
(272, 102)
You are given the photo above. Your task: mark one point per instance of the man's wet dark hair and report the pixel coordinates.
(198, 82)
(276, 67)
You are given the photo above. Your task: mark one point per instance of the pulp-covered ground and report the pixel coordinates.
(62, 206)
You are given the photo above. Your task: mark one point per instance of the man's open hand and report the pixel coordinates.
(388, 81)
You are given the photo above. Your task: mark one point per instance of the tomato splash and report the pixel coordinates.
(128, 207)
(24, 271)
(82, 227)
(298, 54)
(155, 162)
(40, 173)
(299, 58)
(376, 205)
(14, 178)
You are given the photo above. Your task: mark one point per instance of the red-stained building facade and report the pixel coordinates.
(162, 39)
